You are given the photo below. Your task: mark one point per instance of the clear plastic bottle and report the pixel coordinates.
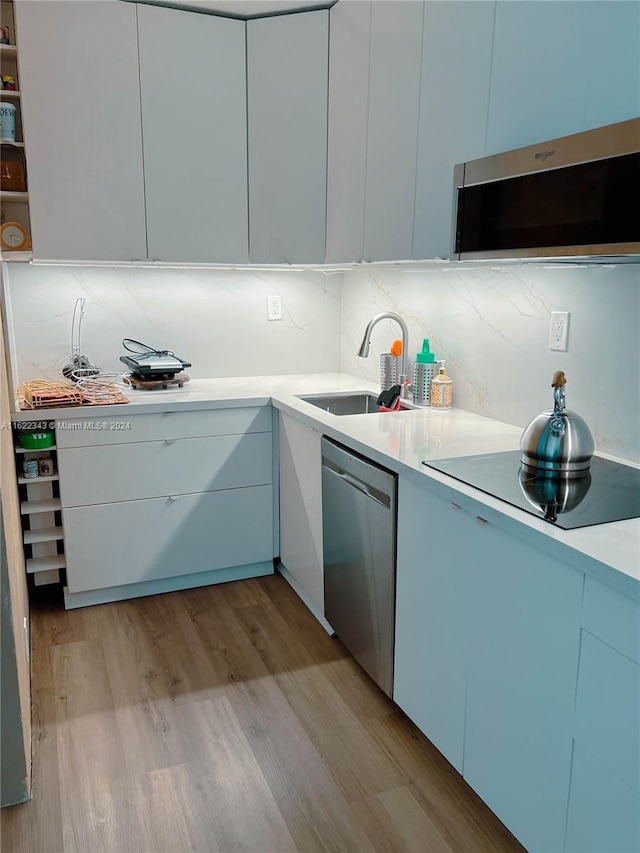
(441, 390)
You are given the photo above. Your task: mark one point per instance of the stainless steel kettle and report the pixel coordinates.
(558, 441)
(553, 493)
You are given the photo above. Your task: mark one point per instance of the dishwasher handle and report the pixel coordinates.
(371, 492)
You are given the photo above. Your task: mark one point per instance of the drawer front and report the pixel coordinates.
(125, 429)
(132, 542)
(126, 472)
(613, 617)
(607, 720)
(603, 812)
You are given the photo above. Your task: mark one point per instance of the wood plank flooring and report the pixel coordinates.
(225, 719)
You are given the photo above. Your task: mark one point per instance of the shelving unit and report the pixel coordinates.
(14, 206)
(40, 509)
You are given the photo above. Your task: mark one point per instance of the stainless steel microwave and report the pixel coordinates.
(576, 196)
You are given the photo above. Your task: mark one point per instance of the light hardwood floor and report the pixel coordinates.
(225, 719)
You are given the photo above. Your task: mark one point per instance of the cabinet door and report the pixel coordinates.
(392, 133)
(603, 810)
(83, 137)
(193, 91)
(430, 666)
(301, 508)
(149, 469)
(523, 617)
(454, 101)
(138, 541)
(350, 33)
(539, 73)
(613, 50)
(287, 79)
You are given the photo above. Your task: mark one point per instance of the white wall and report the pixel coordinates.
(492, 327)
(216, 319)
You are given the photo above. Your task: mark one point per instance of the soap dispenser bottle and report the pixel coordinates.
(442, 389)
(424, 371)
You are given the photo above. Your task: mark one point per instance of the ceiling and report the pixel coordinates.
(245, 8)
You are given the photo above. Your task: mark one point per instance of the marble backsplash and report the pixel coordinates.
(492, 327)
(216, 319)
(490, 324)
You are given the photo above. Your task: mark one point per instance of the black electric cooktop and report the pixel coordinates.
(609, 491)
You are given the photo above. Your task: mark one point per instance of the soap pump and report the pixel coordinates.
(442, 389)
(424, 371)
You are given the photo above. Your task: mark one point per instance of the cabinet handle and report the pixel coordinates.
(175, 497)
(454, 506)
(480, 520)
(170, 440)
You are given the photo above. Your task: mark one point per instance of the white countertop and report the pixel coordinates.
(400, 441)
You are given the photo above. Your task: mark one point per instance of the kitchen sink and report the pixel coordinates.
(359, 403)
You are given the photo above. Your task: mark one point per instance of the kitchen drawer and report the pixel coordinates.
(127, 472)
(136, 541)
(607, 717)
(613, 617)
(603, 811)
(125, 429)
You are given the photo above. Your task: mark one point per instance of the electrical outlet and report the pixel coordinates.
(559, 331)
(274, 307)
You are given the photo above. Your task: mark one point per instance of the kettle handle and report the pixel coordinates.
(557, 383)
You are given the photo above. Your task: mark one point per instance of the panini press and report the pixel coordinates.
(151, 364)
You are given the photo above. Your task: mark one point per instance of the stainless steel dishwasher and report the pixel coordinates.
(359, 539)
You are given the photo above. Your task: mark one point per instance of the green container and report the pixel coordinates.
(37, 439)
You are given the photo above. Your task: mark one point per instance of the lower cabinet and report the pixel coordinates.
(603, 810)
(523, 636)
(487, 643)
(145, 514)
(301, 511)
(604, 803)
(137, 541)
(430, 655)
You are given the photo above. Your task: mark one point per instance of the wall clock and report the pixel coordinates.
(13, 237)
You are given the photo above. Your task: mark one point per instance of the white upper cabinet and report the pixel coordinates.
(392, 132)
(538, 80)
(82, 129)
(349, 37)
(454, 100)
(287, 81)
(613, 50)
(193, 91)
(562, 67)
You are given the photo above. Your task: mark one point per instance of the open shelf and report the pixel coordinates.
(10, 142)
(46, 564)
(49, 478)
(12, 196)
(33, 507)
(8, 255)
(44, 534)
(8, 51)
(10, 94)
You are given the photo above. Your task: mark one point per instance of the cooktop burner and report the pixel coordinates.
(610, 491)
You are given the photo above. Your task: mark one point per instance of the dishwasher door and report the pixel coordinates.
(359, 540)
